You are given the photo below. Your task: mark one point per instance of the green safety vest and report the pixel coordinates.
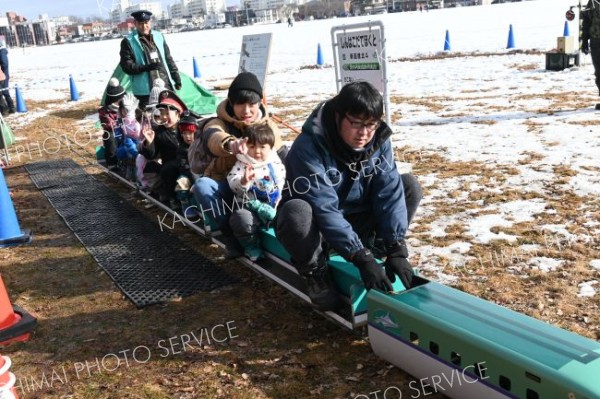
(140, 83)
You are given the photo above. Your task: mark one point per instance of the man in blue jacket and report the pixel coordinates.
(4, 85)
(345, 193)
(145, 56)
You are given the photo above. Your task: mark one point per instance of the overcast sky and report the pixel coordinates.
(81, 8)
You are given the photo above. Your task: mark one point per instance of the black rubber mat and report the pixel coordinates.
(149, 265)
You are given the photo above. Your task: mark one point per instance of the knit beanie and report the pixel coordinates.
(188, 123)
(157, 87)
(114, 91)
(245, 81)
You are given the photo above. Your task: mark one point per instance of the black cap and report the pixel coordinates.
(141, 15)
(245, 81)
(188, 119)
(167, 97)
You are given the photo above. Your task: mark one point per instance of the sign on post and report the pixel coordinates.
(359, 54)
(255, 54)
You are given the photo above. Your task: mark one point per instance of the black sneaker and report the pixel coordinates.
(320, 289)
(233, 249)
(597, 107)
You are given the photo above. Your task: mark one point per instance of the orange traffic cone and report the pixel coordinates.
(15, 323)
(7, 379)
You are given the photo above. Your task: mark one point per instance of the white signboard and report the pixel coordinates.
(254, 56)
(359, 54)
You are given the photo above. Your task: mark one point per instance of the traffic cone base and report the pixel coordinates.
(15, 323)
(20, 330)
(25, 238)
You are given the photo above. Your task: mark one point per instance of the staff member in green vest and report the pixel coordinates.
(145, 56)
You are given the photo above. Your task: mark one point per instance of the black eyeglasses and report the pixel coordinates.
(358, 124)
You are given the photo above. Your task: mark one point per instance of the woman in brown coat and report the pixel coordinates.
(241, 109)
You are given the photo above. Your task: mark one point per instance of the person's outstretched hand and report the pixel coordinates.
(238, 146)
(130, 103)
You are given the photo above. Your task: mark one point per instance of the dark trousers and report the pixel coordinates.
(6, 94)
(110, 147)
(215, 200)
(595, 50)
(168, 176)
(297, 229)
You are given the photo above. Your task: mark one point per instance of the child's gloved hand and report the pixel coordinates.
(130, 103)
(265, 212)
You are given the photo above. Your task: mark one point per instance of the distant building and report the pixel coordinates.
(181, 9)
(209, 13)
(155, 7)
(125, 27)
(19, 32)
(13, 18)
(93, 29)
(124, 8)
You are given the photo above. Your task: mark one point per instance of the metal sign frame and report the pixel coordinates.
(368, 38)
(255, 55)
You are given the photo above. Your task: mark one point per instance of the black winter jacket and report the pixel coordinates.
(164, 146)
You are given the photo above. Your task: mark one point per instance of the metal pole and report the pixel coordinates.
(580, 25)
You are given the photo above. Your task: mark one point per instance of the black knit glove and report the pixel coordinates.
(396, 264)
(153, 66)
(371, 273)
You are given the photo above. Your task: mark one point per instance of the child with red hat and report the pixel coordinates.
(162, 142)
(188, 125)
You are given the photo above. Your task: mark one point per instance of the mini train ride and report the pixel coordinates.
(454, 343)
